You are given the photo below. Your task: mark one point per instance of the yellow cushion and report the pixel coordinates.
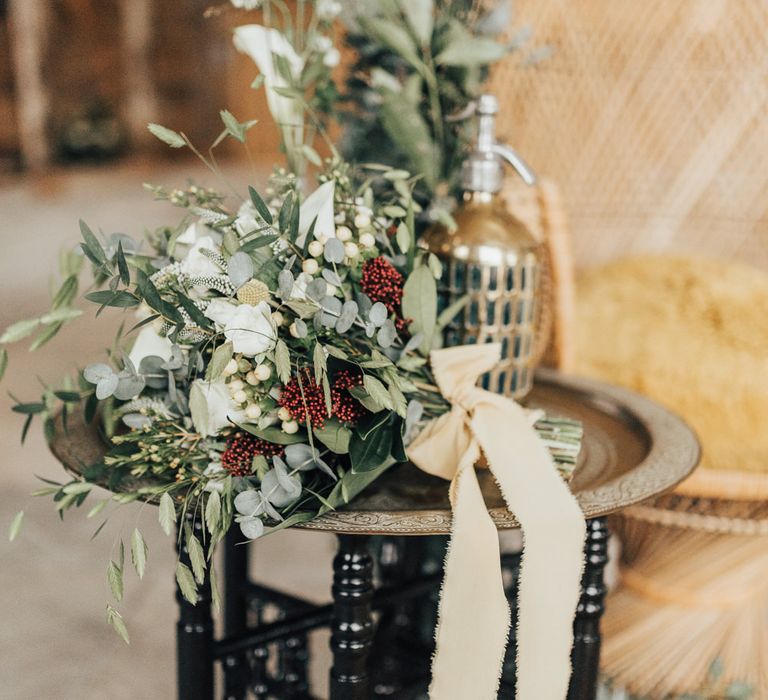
(691, 333)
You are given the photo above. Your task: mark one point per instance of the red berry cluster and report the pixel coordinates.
(345, 407)
(237, 459)
(382, 282)
(305, 399)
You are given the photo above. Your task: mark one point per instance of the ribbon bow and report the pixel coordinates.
(474, 616)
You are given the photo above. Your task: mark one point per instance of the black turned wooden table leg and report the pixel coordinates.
(194, 631)
(235, 612)
(586, 628)
(352, 625)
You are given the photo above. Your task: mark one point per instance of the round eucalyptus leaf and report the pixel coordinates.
(387, 334)
(240, 269)
(331, 277)
(317, 289)
(378, 314)
(97, 371)
(347, 318)
(247, 502)
(301, 328)
(285, 284)
(334, 250)
(106, 387)
(252, 528)
(128, 387)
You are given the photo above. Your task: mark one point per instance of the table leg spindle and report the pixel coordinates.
(586, 647)
(235, 613)
(194, 630)
(352, 625)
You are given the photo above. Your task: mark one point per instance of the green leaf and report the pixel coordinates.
(420, 16)
(101, 505)
(366, 455)
(405, 125)
(122, 265)
(139, 553)
(334, 436)
(260, 205)
(115, 578)
(92, 243)
(167, 513)
(365, 399)
(3, 362)
(311, 155)
(352, 484)
(16, 523)
(47, 334)
(219, 360)
(19, 330)
(66, 292)
(449, 313)
(377, 391)
(369, 423)
(394, 37)
(213, 512)
(115, 619)
(283, 361)
(234, 128)
(318, 359)
(420, 304)
(403, 237)
(186, 582)
(336, 352)
(465, 50)
(61, 314)
(273, 434)
(121, 299)
(78, 487)
(168, 136)
(196, 557)
(28, 409)
(260, 242)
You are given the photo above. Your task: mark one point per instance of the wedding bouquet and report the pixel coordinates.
(280, 347)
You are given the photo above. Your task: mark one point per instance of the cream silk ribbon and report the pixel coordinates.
(474, 615)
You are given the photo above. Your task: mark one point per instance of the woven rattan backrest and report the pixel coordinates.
(652, 117)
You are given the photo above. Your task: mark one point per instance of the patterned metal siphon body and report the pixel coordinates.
(493, 259)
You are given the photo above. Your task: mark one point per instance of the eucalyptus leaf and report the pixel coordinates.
(420, 304)
(333, 250)
(240, 269)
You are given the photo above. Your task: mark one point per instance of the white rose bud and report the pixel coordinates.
(310, 266)
(230, 368)
(240, 396)
(343, 233)
(284, 414)
(290, 427)
(263, 372)
(251, 378)
(367, 240)
(351, 250)
(253, 411)
(315, 249)
(321, 238)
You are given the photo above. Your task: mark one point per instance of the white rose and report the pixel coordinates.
(212, 407)
(220, 312)
(331, 58)
(147, 343)
(319, 205)
(252, 330)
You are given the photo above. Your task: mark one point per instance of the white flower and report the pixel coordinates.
(147, 343)
(246, 4)
(247, 220)
(196, 264)
(319, 204)
(322, 44)
(328, 10)
(212, 407)
(332, 58)
(250, 328)
(262, 45)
